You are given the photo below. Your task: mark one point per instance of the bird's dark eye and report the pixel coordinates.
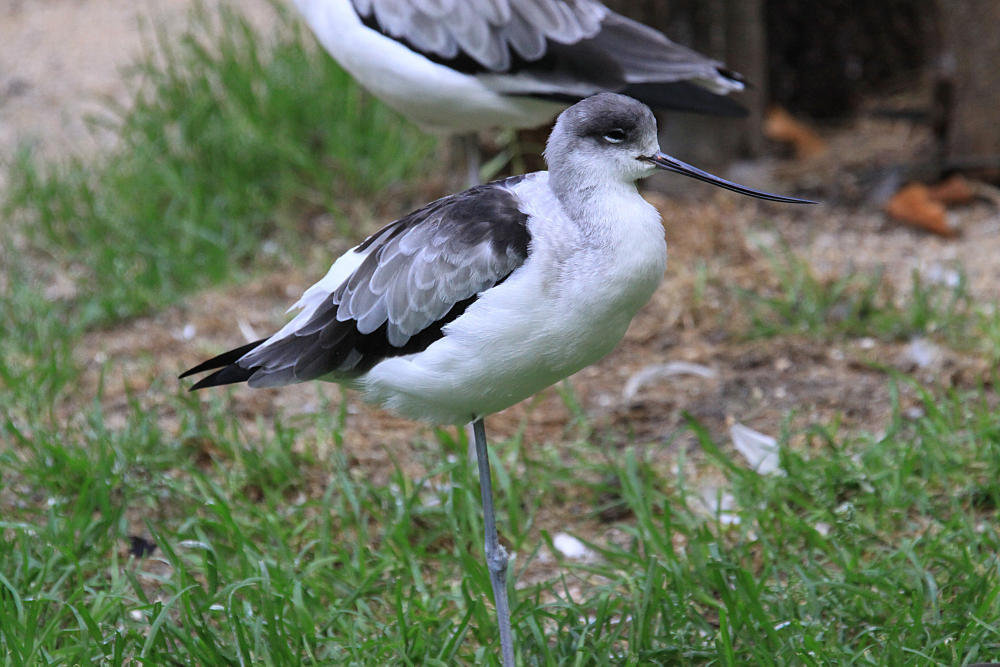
(615, 136)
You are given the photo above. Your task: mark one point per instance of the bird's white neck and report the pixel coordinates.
(594, 199)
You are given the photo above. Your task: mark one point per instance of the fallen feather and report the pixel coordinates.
(760, 451)
(571, 547)
(649, 374)
(922, 352)
(248, 332)
(721, 505)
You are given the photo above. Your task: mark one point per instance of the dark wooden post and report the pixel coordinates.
(971, 70)
(746, 51)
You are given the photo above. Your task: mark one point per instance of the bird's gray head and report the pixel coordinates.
(604, 136)
(610, 138)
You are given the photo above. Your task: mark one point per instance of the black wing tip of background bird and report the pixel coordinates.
(732, 75)
(225, 362)
(681, 96)
(685, 96)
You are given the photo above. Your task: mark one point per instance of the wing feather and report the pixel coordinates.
(486, 33)
(418, 274)
(522, 37)
(429, 35)
(561, 50)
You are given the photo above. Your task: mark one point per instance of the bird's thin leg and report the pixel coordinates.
(496, 555)
(472, 158)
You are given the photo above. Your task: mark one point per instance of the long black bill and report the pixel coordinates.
(664, 161)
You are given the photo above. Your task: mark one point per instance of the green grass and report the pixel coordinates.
(36, 342)
(229, 136)
(871, 550)
(857, 305)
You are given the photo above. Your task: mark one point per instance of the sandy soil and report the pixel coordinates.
(61, 60)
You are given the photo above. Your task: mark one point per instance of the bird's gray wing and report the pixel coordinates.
(633, 59)
(561, 50)
(646, 55)
(483, 35)
(421, 272)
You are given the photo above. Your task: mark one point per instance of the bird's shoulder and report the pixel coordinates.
(489, 213)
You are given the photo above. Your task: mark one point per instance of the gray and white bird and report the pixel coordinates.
(459, 66)
(482, 298)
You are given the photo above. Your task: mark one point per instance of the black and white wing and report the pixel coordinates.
(417, 275)
(492, 35)
(561, 49)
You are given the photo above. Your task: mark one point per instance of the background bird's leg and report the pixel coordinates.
(496, 555)
(470, 142)
(470, 435)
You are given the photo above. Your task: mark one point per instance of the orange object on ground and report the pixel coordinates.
(779, 125)
(914, 206)
(953, 190)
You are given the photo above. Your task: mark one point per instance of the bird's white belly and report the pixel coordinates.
(518, 338)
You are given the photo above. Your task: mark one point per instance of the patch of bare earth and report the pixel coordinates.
(61, 64)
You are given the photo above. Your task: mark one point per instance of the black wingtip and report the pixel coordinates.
(203, 366)
(727, 73)
(675, 96)
(685, 96)
(231, 374)
(223, 361)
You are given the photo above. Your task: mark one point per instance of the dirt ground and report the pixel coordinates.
(59, 58)
(62, 60)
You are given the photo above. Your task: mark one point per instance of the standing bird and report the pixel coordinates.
(459, 66)
(482, 298)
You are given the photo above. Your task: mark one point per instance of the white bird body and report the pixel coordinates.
(587, 276)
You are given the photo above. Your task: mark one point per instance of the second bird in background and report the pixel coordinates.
(460, 66)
